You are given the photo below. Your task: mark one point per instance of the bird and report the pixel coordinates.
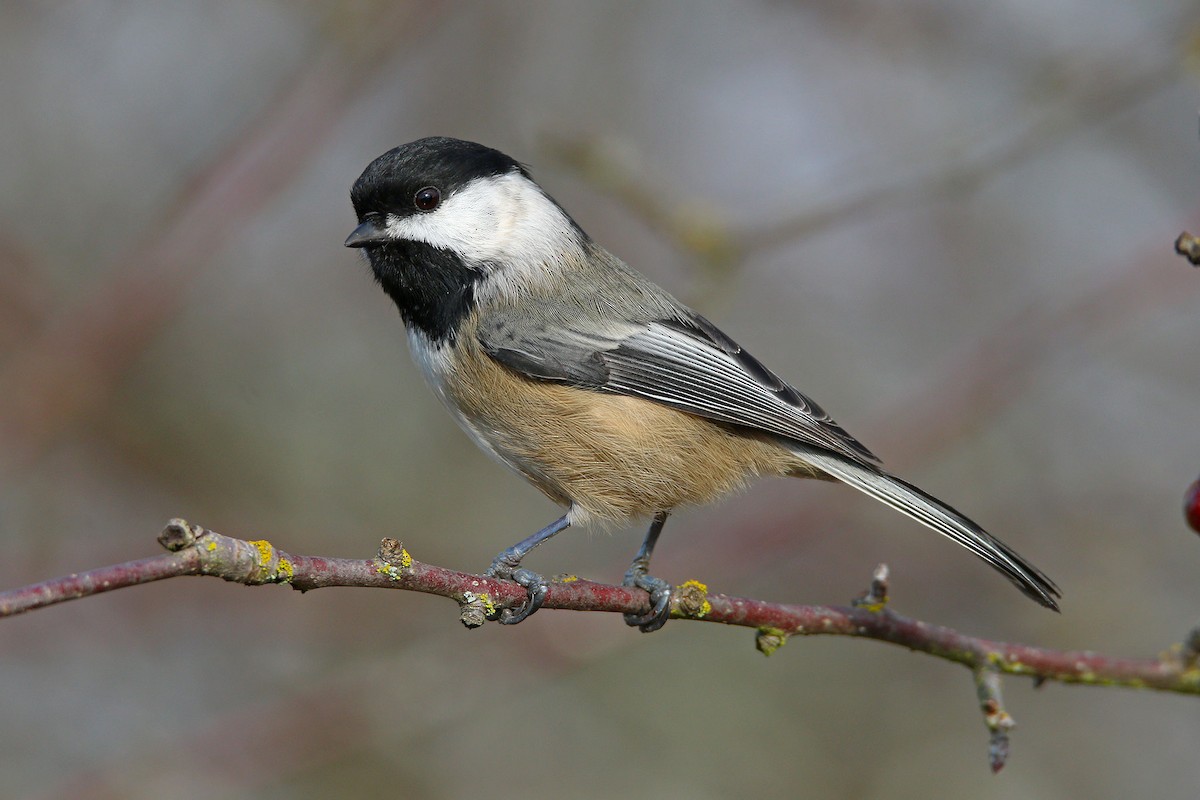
(606, 393)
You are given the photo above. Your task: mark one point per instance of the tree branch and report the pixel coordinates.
(196, 551)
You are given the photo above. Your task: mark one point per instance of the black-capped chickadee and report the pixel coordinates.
(601, 389)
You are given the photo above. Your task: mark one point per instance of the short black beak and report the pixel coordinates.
(368, 232)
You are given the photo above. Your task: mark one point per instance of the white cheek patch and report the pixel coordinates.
(504, 224)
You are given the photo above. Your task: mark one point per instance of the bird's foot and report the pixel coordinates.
(534, 584)
(660, 599)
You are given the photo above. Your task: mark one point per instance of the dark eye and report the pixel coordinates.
(427, 199)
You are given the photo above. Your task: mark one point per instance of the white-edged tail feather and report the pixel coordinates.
(928, 510)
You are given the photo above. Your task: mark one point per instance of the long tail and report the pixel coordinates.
(928, 510)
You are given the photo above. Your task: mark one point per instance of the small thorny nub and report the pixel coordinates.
(179, 534)
(876, 597)
(1191, 647)
(392, 552)
(768, 640)
(474, 610)
(691, 598)
(999, 722)
(1188, 246)
(998, 750)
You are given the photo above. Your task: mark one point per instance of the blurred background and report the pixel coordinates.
(951, 223)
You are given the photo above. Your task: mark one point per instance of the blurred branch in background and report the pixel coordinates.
(1108, 94)
(720, 253)
(73, 363)
(196, 551)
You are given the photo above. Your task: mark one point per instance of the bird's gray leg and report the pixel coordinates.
(660, 590)
(507, 565)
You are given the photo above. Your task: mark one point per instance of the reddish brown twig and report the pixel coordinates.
(196, 551)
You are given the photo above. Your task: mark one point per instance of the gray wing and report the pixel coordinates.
(684, 362)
